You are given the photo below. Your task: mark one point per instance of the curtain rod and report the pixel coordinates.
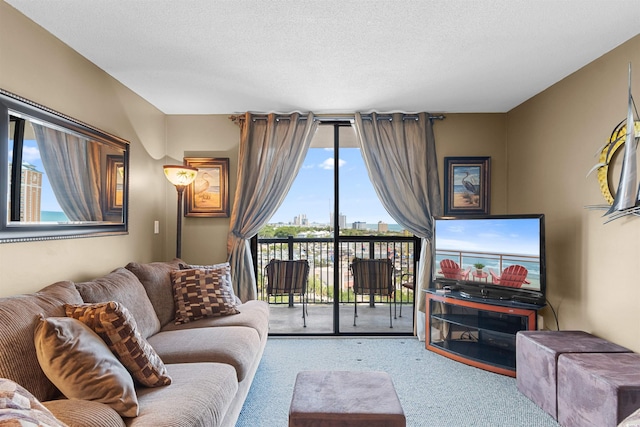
(339, 117)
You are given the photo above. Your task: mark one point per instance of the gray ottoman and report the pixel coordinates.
(597, 390)
(537, 355)
(345, 399)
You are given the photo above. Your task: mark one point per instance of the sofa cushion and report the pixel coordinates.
(20, 408)
(117, 328)
(199, 396)
(155, 278)
(234, 345)
(199, 294)
(81, 365)
(83, 413)
(19, 315)
(123, 286)
(253, 314)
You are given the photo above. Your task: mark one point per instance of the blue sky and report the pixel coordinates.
(515, 236)
(312, 191)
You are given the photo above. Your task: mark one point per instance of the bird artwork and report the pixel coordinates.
(469, 184)
(206, 189)
(467, 188)
(201, 186)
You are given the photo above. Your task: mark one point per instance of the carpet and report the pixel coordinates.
(434, 391)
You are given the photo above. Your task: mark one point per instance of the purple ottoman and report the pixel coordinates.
(345, 398)
(537, 358)
(597, 389)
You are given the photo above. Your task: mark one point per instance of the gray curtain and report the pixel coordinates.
(399, 152)
(72, 165)
(272, 150)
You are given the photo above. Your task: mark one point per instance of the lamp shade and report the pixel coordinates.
(180, 175)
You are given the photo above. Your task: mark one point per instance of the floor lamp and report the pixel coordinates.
(180, 176)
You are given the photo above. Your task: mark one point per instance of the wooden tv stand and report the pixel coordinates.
(477, 331)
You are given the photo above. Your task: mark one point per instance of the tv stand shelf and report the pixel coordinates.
(476, 331)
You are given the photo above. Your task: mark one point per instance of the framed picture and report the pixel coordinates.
(115, 183)
(208, 195)
(467, 183)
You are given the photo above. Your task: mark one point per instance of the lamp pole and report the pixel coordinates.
(181, 177)
(180, 189)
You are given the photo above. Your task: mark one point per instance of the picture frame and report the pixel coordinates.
(115, 184)
(208, 195)
(467, 185)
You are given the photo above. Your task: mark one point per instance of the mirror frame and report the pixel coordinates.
(19, 232)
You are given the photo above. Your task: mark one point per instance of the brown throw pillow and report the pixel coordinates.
(20, 408)
(117, 328)
(80, 364)
(224, 265)
(199, 294)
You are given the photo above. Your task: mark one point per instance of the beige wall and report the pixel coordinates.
(476, 135)
(593, 269)
(39, 67)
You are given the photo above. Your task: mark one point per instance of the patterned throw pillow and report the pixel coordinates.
(18, 407)
(206, 268)
(199, 294)
(117, 327)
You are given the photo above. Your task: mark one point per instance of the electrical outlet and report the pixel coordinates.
(156, 227)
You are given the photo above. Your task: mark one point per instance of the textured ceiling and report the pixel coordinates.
(332, 56)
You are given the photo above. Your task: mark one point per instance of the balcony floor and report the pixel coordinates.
(288, 320)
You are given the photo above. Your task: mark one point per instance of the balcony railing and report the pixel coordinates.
(324, 255)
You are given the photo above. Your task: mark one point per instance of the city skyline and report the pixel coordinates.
(312, 191)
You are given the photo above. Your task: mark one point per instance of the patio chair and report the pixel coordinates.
(289, 277)
(372, 277)
(513, 276)
(451, 270)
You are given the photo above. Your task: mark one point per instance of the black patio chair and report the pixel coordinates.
(289, 277)
(372, 277)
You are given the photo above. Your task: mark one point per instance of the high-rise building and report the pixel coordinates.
(382, 227)
(300, 220)
(30, 193)
(359, 225)
(342, 220)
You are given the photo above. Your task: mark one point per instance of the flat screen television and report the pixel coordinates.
(496, 256)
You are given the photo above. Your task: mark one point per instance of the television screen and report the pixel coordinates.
(505, 253)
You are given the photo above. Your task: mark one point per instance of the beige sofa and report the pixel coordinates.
(211, 361)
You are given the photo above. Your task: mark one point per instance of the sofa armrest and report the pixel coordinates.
(82, 413)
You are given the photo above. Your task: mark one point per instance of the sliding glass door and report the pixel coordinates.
(330, 217)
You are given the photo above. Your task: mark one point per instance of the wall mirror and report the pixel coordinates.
(61, 178)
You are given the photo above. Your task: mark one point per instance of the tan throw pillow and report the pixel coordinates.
(117, 328)
(80, 364)
(199, 294)
(20, 408)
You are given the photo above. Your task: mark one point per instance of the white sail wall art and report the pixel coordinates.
(627, 196)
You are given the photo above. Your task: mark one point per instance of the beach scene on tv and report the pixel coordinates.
(493, 251)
